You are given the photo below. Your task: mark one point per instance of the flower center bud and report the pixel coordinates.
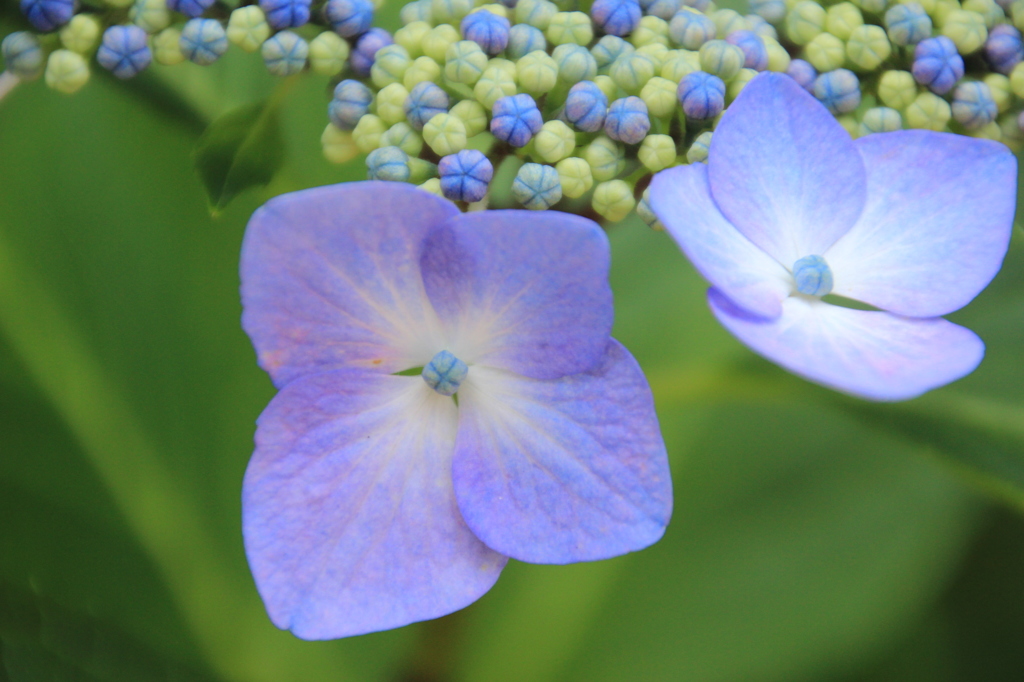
(445, 373)
(813, 276)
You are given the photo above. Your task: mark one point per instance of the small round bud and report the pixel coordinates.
(575, 177)
(493, 85)
(503, 11)
(825, 52)
(149, 15)
(928, 111)
(1004, 48)
(627, 120)
(698, 151)
(283, 14)
(772, 11)
(812, 276)
(657, 152)
(897, 89)
(524, 39)
(203, 41)
(607, 86)
(167, 47)
(702, 96)
(488, 30)
(991, 11)
(124, 51)
(433, 185)
(537, 186)
(516, 119)
(652, 30)
(66, 71)
(1017, 80)
(973, 106)
(586, 106)
(536, 13)
(338, 145)
(613, 200)
(907, 24)
(657, 52)
(327, 53)
(842, 19)
(575, 63)
(426, 100)
(755, 54)
(646, 214)
(721, 59)
(450, 11)
(411, 37)
(868, 47)
(802, 72)
(402, 135)
(465, 175)
(445, 134)
(880, 120)
(659, 94)
(761, 27)
(422, 70)
(190, 8)
(47, 15)
(350, 103)
(966, 29)
(680, 63)
(554, 142)
(389, 65)
(368, 133)
(664, 9)
(537, 73)
(248, 28)
(472, 115)
(388, 163)
(804, 21)
(1002, 94)
(778, 57)
(569, 28)
(285, 53)
(991, 131)
(691, 29)
(632, 71)
(937, 65)
(616, 17)
(509, 67)
(22, 55)
(873, 6)
(465, 60)
(365, 50)
(605, 157)
(838, 90)
(416, 11)
(737, 84)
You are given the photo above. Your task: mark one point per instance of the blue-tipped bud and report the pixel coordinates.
(973, 105)
(351, 102)
(691, 29)
(627, 120)
(610, 48)
(286, 13)
(47, 15)
(203, 41)
(701, 95)
(1004, 48)
(937, 64)
(616, 17)
(838, 90)
(537, 186)
(366, 48)
(761, 27)
(285, 54)
(772, 11)
(465, 175)
(349, 18)
(425, 101)
(907, 24)
(516, 119)
(664, 9)
(124, 51)
(803, 73)
(755, 53)
(388, 163)
(575, 63)
(586, 106)
(22, 54)
(813, 276)
(487, 30)
(445, 373)
(880, 120)
(698, 151)
(524, 39)
(190, 8)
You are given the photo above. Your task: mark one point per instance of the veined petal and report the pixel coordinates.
(874, 355)
(571, 469)
(521, 290)
(682, 200)
(348, 513)
(783, 170)
(331, 279)
(936, 225)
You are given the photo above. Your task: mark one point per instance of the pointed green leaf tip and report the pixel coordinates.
(241, 149)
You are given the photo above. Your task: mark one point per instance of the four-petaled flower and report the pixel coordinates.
(789, 208)
(373, 498)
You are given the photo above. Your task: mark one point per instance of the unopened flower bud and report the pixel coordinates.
(838, 90)
(928, 111)
(537, 186)
(22, 54)
(657, 152)
(825, 52)
(465, 176)
(248, 28)
(575, 177)
(125, 51)
(613, 200)
(880, 120)
(338, 145)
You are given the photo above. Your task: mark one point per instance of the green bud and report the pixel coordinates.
(657, 152)
(659, 94)
(328, 53)
(575, 64)
(778, 57)
(421, 70)
(992, 13)
(897, 89)
(537, 73)
(873, 6)
(868, 47)
(66, 71)
(498, 9)
(150, 15)
(450, 11)
(991, 131)
(506, 65)
(402, 135)
(248, 28)
(411, 37)
(643, 209)
(420, 170)
(613, 200)
(437, 41)
(472, 115)
(554, 142)
(966, 29)
(841, 19)
(433, 185)
(1002, 94)
(739, 82)
(118, 3)
(167, 47)
(727, 21)
(492, 86)
(631, 72)
(417, 10)
(679, 64)
(721, 59)
(880, 120)
(338, 145)
(1017, 80)
(928, 111)
(605, 157)
(825, 52)
(850, 125)
(942, 10)
(652, 30)
(368, 132)
(608, 87)
(1012, 135)
(465, 62)
(536, 13)
(698, 151)
(575, 176)
(82, 33)
(927, 5)
(570, 28)
(445, 134)
(804, 21)
(389, 65)
(391, 103)
(1017, 12)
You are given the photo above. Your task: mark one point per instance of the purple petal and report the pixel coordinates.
(521, 290)
(572, 469)
(348, 513)
(682, 201)
(331, 278)
(936, 224)
(783, 171)
(874, 355)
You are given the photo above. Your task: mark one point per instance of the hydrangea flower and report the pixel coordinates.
(789, 208)
(373, 499)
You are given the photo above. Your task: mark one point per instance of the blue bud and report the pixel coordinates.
(701, 95)
(425, 101)
(664, 9)
(691, 29)
(838, 90)
(772, 11)
(537, 186)
(445, 373)
(907, 24)
(803, 73)
(761, 27)
(586, 106)
(1004, 48)
(516, 119)
(616, 17)
(124, 51)
(366, 48)
(203, 41)
(465, 175)
(813, 276)
(699, 5)
(627, 120)
(47, 15)
(524, 39)
(388, 163)
(755, 54)
(937, 64)
(351, 102)
(487, 30)
(285, 13)
(610, 48)
(190, 8)
(349, 18)
(285, 54)
(22, 54)
(973, 105)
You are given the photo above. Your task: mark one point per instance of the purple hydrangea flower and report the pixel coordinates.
(789, 208)
(373, 500)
